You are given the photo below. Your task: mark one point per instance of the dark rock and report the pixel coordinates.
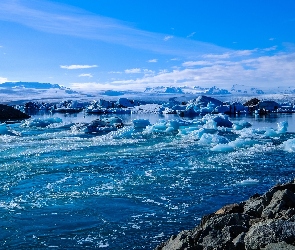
(279, 246)
(270, 231)
(229, 209)
(262, 222)
(10, 113)
(281, 200)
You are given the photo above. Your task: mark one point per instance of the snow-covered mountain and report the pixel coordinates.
(162, 89)
(187, 90)
(26, 91)
(251, 90)
(30, 85)
(236, 89)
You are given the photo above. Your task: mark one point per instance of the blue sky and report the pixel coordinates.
(116, 44)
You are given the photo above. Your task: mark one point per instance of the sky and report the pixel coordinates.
(130, 45)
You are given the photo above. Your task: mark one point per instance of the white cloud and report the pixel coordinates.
(52, 17)
(191, 34)
(270, 48)
(115, 72)
(196, 63)
(85, 75)
(262, 71)
(148, 72)
(153, 60)
(3, 79)
(133, 71)
(217, 56)
(78, 66)
(166, 38)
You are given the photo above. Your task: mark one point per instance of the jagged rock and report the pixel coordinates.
(262, 222)
(182, 241)
(10, 113)
(281, 200)
(270, 231)
(254, 206)
(229, 209)
(279, 246)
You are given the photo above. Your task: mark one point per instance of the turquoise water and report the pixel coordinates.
(132, 188)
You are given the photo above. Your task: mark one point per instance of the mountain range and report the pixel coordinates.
(15, 91)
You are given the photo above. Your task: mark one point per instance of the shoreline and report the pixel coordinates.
(262, 222)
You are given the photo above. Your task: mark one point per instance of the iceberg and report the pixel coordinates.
(289, 145)
(3, 129)
(104, 125)
(141, 123)
(41, 123)
(219, 119)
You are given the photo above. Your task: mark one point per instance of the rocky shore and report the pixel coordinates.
(10, 113)
(262, 222)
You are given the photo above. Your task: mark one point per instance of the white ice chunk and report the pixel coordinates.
(212, 139)
(282, 127)
(289, 145)
(249, 181)
(241, 124)
(220, 119)
(238, 143)
(42, 123)
(270, 132)
(222, 148)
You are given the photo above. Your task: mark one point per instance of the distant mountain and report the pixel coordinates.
(214, 91)
(251, 90)
(162, 89)
(27, 91)
(243, 89)
(187, 90)
(30, 85)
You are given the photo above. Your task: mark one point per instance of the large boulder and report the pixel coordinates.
(10, 113)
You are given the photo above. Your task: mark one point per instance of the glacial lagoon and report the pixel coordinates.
(132, 188)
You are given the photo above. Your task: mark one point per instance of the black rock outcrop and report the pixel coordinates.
(262, 222)
(10, 113)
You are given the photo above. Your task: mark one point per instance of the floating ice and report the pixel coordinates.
(104, 125)
(289, 145)
(238, 143)
(141, 123)
(41, 123)
(220, 119)
(3, 129)
(125, 132)
(126, 103)
(241, 125)
(222, 148)
(159, 127)
(212, 139)
(210, 124)
(282, 127)
(248, 181)
(270, 132)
